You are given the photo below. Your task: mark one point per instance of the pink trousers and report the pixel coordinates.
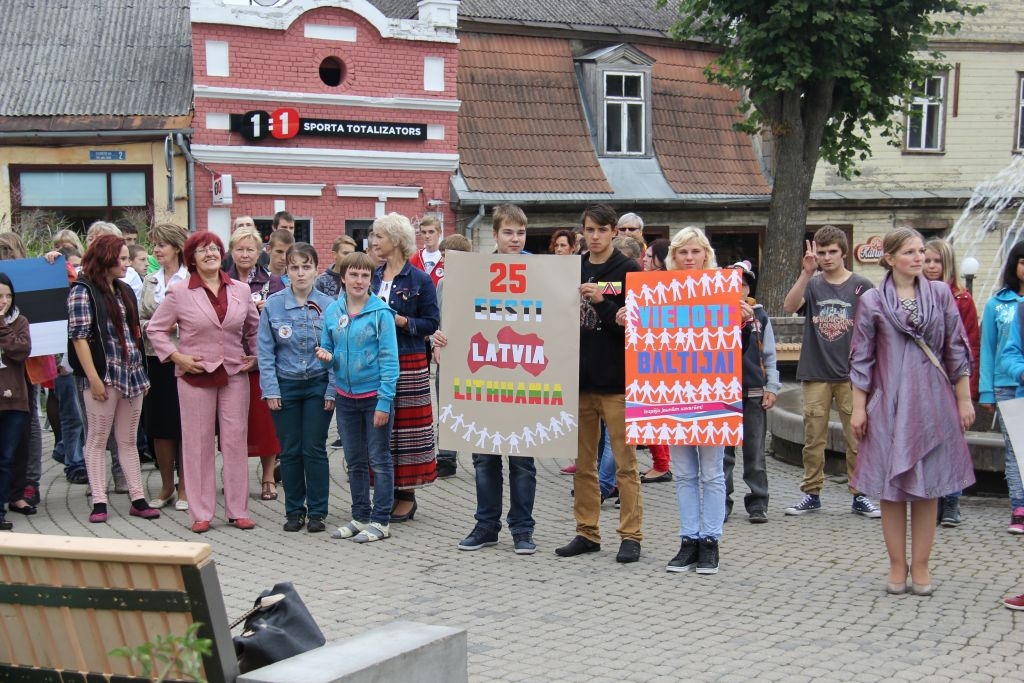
(201, 409)
(123, 415)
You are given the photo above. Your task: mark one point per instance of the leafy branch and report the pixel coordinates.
(157, 659)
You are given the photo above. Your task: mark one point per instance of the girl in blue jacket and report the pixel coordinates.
(360, 344)
(994, 382)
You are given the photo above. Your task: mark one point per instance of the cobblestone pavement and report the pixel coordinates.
(797, 599)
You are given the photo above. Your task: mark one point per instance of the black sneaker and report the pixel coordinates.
(478, 538)
(629, 551)
(758, 517)
(315, 525)
(445, 469)
(577, 546)
(336, 443)
(295, 523)
(707, 556)
(809, 503)
(77, 477)
(686, 558)
(523, 543)
(950, 512)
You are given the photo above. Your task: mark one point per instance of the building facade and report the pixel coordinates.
(970, 129)
(95, 114)
(326, 109)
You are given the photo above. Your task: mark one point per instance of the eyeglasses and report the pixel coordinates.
(208, 249)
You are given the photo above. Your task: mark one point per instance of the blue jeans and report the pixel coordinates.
(1013, 481)
(301, 427)
(701, 503)
(522, 489)
(366, 446)
(605, 463)
(72, 429)
(12, 425)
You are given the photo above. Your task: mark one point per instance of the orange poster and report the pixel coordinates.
(684, 358)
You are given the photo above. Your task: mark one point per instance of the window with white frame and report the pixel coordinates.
(926, 123)
(624, 113)
(1019, 141)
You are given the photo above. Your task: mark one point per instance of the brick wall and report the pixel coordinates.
(285, 61)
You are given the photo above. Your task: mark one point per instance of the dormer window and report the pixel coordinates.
(624, 109)
(616, 84)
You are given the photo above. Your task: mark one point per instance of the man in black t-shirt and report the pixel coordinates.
(603, 391)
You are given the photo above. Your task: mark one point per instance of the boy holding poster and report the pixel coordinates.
(509, 225)
(602, 391)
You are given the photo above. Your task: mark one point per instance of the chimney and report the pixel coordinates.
(439, 13)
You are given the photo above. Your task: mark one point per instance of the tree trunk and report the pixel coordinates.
(801, 119)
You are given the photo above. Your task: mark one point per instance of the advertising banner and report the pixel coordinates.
(684, 358)
(509, 374)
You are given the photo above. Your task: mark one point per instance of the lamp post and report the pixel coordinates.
(970, 267)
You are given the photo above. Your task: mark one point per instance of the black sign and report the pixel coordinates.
(283, 124)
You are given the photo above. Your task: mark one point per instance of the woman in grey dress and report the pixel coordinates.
(910, 371)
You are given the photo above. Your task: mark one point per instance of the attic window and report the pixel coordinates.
(332, 71)
(624, 113)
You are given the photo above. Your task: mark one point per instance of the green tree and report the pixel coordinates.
(819, 77)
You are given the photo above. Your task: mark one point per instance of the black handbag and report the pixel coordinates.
(277, 627)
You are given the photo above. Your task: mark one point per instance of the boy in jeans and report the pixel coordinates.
(510, 238)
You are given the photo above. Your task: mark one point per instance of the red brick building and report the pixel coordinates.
(326, 109)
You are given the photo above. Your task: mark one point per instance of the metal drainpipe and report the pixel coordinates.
(471, 226)
(190, 181)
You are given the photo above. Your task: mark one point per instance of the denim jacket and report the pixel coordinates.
(287, 340)
(365, 350)
(413, 296)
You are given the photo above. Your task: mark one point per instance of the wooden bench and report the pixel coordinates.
(66, 602)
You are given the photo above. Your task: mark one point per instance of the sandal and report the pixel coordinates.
(351, 529)
(375, 531)
(269, 491)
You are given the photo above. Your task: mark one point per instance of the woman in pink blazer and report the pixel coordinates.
(217, 322)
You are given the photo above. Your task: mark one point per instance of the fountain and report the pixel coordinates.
(983, 215)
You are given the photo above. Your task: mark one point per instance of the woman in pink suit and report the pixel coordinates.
(217, 322)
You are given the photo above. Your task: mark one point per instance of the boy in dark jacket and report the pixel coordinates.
(760, 387)
(603, 390)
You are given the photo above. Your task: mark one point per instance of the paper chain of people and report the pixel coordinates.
(187, 344)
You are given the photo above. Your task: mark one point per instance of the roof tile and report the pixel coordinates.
(521, 125)
(98, 57)
(692, 122)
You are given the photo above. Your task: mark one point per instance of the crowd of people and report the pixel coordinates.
(250, 349)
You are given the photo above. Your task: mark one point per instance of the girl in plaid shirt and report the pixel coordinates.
(103, 325)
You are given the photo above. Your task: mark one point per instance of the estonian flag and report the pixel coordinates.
(41, 292)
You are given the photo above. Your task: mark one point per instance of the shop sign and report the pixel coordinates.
(221, 189)
(286, 123)
(869, 252)
(107, 155)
